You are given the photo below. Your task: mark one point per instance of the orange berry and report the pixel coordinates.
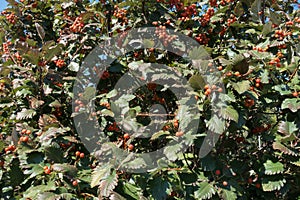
(77, 153)
(220, 68)
(130, 147)
(28, 132)
(295, 94)
(45, 167)
(126, 136)
(237, 73)
(179, 134)
(206, 87)
(220, 90)
(23, 131)
(225, 183)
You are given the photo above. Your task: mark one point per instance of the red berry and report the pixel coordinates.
(218, 172)
(126, 136)
(81, 155)
(295, 94)
(225, 183)
(75, 183)
(47, 171)
(130, 147)
(257, 185)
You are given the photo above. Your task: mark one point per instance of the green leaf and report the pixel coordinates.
(216, 125)
(158, 134)
(205, 191)
(108, 184)
(283, 149)
(229, 113)
(40, 30)
(273, 168)
(287, 128)
(297, 163)
(132, 190)
(228, 194)
(159, 187)
(242, 86)
(197, 82)
(25, 114)
(15, 173)
(52, 51)
(33, 191)
(269, 185)
(292, 104)
(65, 168)
(199, 53)
(267, 28)
(54, 154)
(99, 174)
(255, 8)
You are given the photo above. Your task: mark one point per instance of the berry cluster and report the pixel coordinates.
(24, 135)
(121, 13)
(79, 154)
(231, 20)
(208, 89)
(77, 26)
(5, 48)
(206, 17)
(260, 49)
(224, 2)
(59, 63)
(275, 61)
(280, 34)
(10, 148)
(47, 170)
(188, 12)
(258, 82)
(163, 35)
(202, 38)
(11, 17)
(19, 58)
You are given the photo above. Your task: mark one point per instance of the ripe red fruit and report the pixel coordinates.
(257, 80)
(218, 172)
(47, 171)
(225, 183)
(126, 136)
(25, 139)
(295, 94)
(77, 153)
(45, 167)
(75, 183)
(130, 147)
(23, 131)
(257, 185)
(28, 132)
(81, 155)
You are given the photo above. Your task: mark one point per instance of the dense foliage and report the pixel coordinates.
(255, 48)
